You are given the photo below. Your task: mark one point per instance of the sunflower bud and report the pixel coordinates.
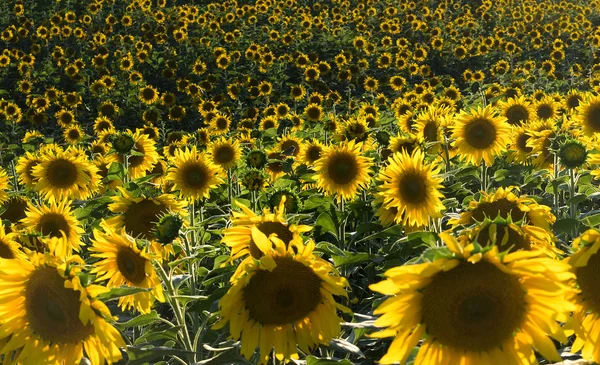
(123, 142)
(572, 154)
(167, 228)
(256, 159)
(254, 180)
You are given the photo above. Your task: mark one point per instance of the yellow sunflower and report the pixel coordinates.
(142, 157)
(58, 223)
(342, 170)
(123, 263)
(474, 307)
(588, 115)
(518, 150)
(429, 125)
(517, 111)
(49, 317)
(25, 166)
(412, 187)
(290, 146)
(506, 204)
(4, 186)
(283, 301)
(248, 228)
(225, 152)
(546, 108)
(139, 215)
(193, 174)
(480, 135)
(63, 174)
(585, 320)
(9, 247)
(310, 151)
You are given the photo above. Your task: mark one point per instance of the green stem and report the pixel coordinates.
(483, 176)
(230, 188)
(343, 223)
(572, 185)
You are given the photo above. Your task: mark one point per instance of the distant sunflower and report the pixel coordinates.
(140, 215)
(480, 135)
(546, 108)
(224, 152)
(4, 185)
(144, 156)
(62, 175)
(506, 204)
(585, 320)
(148, 95)
(290, 146)
(102, 124)
(50, 317)
(73, 134)
(342, 170)
(588, 115)
(193, 174)
(250, 231)
(274, 168)
(474, 307)
(220, 124)
(518, 150)
(412, 188)
(123, 263)
(428, 126)
(310, 152)
(283, 300)
(58, 223)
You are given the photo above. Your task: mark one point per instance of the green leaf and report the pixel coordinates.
(155, 334)
(327, 224)
(188, 298)
(592, 220)
(565, 225)
(312, 360)
(142, 355)
(123, 291)
(141, 320)
(352, 258)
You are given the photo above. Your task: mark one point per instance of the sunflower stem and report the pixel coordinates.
(178, 311)
(483, 176)
(230, 189)
(555, 186)
(342, 237)
(573, 204)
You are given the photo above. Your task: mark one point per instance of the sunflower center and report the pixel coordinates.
(412, 188)
(430, 132)
(53, 310)
(285, 295)
(480, 133)
(281, 230)
(501, 207)
(148, 94)
(5, 251)
(514, 241)
(224, 155)
(141, 217)
(522, 142)
(343, 168)
(61, 173)
(545, 111)
(593, 116)
(131, 265)
(314, 153)
(473, 307)
(15, 210)
(516, 114)
(194, 176)
(52, 224)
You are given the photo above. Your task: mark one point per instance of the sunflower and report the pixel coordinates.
(102, 124)
(588, 115)
(123, 263)
(142, 157)
(546, 108)
(63, 174)
(14, 209)
(428, 126)
(193, 174)
(58, 223)
(249, 230)
(290, 146)
(49, 317)
(517, 111)
(283, 300)
(474, 307)
(4, 186)
(148, 95)
(480, 135)
(506, 204)
(9, 247)
(585, 263)
(518, 150)
(342, 170)
(310, 152)
(220, 123)
(225, 152)
(412, 188)
(139, 215)
(73, 134)
(403, 142)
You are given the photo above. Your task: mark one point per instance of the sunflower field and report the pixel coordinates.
(306, 182)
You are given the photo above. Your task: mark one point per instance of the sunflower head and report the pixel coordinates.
(193, 174)
(123, 142)
(572, 153)
(167, 228)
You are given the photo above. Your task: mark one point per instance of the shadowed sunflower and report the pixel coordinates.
(225, 153)
(588, 115)
(474, 307)
(25, 166)
(506, 204)
(14, 209)
(290, 146)
(282, 301)
(585, 263)
(429, 126)
(65, 175)
(9, 248)
(412, 188)
(249, 231)
(4, 186)
(193, 174)
(143, 159)
(49, 317)
(480, 135)
(519, 151)
(123, 263)
(57, 222)
(139, 215)
(342, 170)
